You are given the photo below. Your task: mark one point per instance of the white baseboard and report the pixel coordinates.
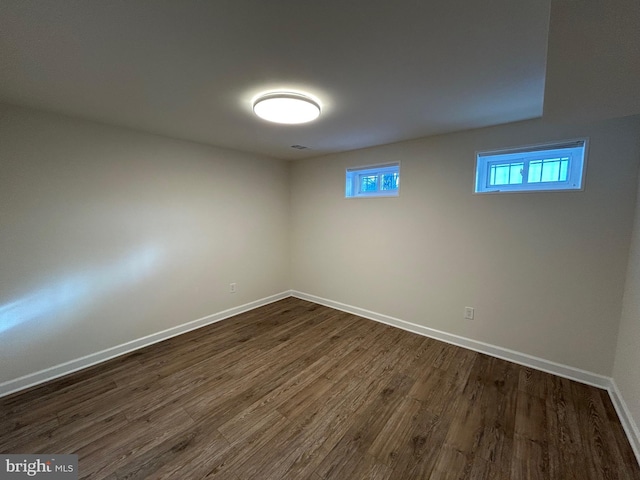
(572, 373)
(626, 419)
(565, 371)
(33, 379)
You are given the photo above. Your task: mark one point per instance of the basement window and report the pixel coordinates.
(549, 167)
(373, 181)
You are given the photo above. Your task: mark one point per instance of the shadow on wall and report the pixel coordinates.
(77, 290)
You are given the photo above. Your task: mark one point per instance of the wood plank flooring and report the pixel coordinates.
(295, 390)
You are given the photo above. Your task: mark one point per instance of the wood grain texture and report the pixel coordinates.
(297, 391)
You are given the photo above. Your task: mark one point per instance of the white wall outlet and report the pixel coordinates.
(232, 288)
(468, 313)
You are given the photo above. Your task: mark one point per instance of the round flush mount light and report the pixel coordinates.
(286, 107)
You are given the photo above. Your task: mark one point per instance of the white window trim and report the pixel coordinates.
(510, 154)
(352, 180)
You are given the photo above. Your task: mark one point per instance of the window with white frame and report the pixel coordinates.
(558, 166)
(373, 181)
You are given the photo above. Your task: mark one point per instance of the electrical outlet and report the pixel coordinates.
(232, 288)
(468, 313)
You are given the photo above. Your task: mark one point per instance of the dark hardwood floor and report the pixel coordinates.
(294, 390)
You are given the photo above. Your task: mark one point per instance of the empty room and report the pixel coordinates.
(320, 240)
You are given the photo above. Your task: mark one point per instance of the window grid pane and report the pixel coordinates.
(373, 181)
(506, 174)
(549, 170)
(564, 169)
(389, 181)
(368, 183)
(544, 167)
(515, 174)
(535, 171)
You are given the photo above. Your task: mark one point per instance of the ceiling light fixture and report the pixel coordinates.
(286, 107)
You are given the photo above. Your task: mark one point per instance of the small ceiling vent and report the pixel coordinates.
(299, 147)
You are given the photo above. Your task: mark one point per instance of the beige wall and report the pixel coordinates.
(544, 271)
(109, 235)
(626, 372)
(592, 60)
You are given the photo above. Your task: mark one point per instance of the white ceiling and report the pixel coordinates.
(384, 70)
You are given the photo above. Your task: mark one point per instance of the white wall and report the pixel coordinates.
(109, 235)
(544, 271)
(626, 371)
